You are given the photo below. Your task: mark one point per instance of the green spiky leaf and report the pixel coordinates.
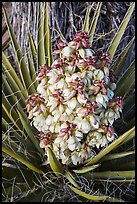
(21, 159)
(54, 163)
(116, 40)
(94, 22)
(85, 195)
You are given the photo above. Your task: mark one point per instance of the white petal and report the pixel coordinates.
(105, 97)
(92, 120)
(66, 92)
(61, 108)
(74, 159)
(104, 142)
(82, 52)
(51, 128)
(56, 117)
(49, 120)
(85, 126)
(104, 104)
(111, 120)
(41, 89)
(42, 144)
(68, 79)
(97, 145)
(66, 51)
(79, 135)
(88, 52)
(72, 147)
(72, 103)
(110, 93)
(57, 128)
(100, 75)
(99, 99)
(64, 125)
(78, 122)
(81, 99)
(52, 87)
(69, 111)
(75, 75)
(71, 140)
(60, 84)
(96, 126)
(107, 80)
(113, 86)
(58, 140)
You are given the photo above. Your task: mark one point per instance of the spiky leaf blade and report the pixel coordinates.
(86, 169)
(94, 22)
(41, 50)
(47, 38)
(86, 21)
(22, 64)
(21, 159)
(33, 51)
(116, 40)
(85, 195)
(54, 163)
(28, 130)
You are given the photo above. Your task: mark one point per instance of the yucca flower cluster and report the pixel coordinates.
(74, 108)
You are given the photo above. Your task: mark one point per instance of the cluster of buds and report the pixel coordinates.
(35, 105)
(75, 108)
(43, 72)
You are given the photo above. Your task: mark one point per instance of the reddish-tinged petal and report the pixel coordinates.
(56, 52)
(96, 90)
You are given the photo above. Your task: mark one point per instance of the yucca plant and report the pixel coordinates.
(96, 163)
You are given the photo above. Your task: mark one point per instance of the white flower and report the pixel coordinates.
(69, 111)
(106, 71)
(72, 103)
(82, 52)
(78, 135)
(107, 80)
(98, 74)
(89, 75)
(102, 99)
(83, 154)
(81, 111)
(83, 125)
(81, 99)
(104, 141)
(51, 128)
(60, 144)
(49, 120)
(75, 76)
(113, 86)
(75, 158)
(77, 130)
(51, 88)
(42, 144)
(57, 128)
(54, 75)
(88, 53)
(39, 122)
(70, 69)
(65, 158)
(93, 122)
(61, 84)
(41, 89)
(110, 93)
(94, 138)
(73, 143)
(67, 51)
